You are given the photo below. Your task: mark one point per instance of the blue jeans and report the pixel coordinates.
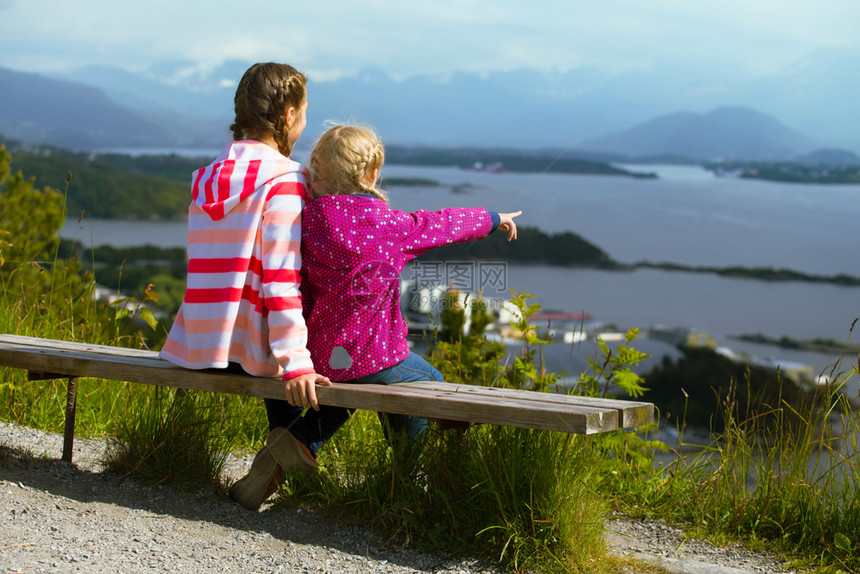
(314, 428)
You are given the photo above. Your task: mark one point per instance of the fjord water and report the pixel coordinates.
(686, 216)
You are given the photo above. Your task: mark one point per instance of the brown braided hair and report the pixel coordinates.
(343, 158)
(265, 92)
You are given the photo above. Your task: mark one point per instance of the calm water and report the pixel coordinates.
(687, 216)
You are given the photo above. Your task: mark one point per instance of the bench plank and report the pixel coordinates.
(547, 411)
(631, 413)
(413, 398)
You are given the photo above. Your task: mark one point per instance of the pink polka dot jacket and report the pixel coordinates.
(354, 248)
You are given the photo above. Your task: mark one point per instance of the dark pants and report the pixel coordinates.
(314, 428)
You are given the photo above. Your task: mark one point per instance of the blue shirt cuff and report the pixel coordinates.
(495, 219)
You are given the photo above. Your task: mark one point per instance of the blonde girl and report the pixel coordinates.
(354, 247)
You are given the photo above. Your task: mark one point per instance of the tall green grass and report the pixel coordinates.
(169, 435)
(779, 476)
(519, 497)
(524, 498)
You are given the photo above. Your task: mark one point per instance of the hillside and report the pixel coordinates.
(109, 186)
(36, 109)
(39, 110)
(117, 186)
(724, 133)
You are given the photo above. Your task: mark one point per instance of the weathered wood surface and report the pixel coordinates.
(547, 411)
(630, 413)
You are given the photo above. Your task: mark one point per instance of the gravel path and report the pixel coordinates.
(57, 517)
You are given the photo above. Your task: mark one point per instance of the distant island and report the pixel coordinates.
(387, 182)
(536, 247)
(827, 166)
(789, 173)
(760, 273)
(785, 342)
(496, 161)
(532, 247)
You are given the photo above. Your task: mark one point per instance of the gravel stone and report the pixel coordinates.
(61, 517)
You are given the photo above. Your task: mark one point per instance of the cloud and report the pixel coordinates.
(407, 39)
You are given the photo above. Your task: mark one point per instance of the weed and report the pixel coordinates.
(782, 475)
(169, 435)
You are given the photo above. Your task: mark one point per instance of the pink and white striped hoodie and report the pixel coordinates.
(242, 303)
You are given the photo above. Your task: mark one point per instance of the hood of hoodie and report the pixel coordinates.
(240, 169)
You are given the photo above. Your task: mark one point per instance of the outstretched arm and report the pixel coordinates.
(421, 231)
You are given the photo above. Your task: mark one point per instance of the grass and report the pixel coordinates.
(519, 497)
(515, 496)
(169, 435)
(780, 477)
(530, 500)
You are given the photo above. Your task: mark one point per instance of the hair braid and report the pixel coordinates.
(342, 160)
(265, 92)
(280, 129)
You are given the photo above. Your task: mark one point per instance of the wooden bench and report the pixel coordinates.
(52, 359)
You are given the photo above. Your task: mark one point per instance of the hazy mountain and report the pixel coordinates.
(816, 95)
(519, 108)
(830, 157)
(188, 105)
(36, 109)
(174, 85)
(724, 133)
(523, 109)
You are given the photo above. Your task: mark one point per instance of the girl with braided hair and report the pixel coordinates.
(242, 308)
(354, 247)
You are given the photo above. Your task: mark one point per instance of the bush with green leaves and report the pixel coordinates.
(37, 287)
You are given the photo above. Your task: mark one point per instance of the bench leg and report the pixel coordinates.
(71, 403)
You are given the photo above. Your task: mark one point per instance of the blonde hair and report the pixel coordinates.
(342, 160)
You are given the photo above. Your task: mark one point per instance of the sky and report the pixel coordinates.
(335, 38)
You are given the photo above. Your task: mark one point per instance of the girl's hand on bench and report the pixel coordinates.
(301, 391)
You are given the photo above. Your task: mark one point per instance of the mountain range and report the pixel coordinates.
(633, 115)
(724, 133)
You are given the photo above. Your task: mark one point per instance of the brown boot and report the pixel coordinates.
(260, 483)
(290, 454)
